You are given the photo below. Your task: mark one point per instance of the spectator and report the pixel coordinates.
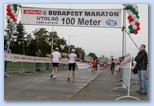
(112, 66)
(141, 65)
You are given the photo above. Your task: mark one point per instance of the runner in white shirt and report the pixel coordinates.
(72, 63)
(56, 56)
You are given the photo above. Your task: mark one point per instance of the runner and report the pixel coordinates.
(94, 65)
(72, 64)
(56, 56)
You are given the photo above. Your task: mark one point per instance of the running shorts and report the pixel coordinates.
(72, 66)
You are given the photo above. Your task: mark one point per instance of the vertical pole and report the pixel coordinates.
(69, 37)
(23, 50)
(69, 49)
(124, 34)
(52, 44)
(129, 77)
(52, 40)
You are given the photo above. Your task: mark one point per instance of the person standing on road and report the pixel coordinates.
(72, 64)
(141, 65)
(56, 56)
(112, 66)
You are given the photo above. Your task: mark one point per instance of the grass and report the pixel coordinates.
(27, 66)
(17, 66)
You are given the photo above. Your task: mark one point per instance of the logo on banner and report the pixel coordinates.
(33, 12)
(111, 22)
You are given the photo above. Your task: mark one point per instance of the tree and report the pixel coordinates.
(19, 43)
(9, 35)
(20, 32)
(66, 49)
(57, 41)
(60, 43)
(40, 34)
(30, 46)
(44, 40)
(41, 45)
(16, 37)
(78, 51)
(93, 55)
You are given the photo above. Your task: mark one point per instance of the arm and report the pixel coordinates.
(134, 65)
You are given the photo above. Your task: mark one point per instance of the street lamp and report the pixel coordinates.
(69, 38)
(50, 40)
(52, 43)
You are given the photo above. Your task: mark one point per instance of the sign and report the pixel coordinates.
(71, 17)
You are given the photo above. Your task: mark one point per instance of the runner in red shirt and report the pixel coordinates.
(94, 65)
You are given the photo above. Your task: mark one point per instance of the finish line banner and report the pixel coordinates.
(71, 17)
(35, 59)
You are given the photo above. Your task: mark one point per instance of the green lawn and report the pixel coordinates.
(17, 66)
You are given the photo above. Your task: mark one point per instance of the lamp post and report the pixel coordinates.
(69, 42)
(52, 39)
(69, 47)
(52, 44)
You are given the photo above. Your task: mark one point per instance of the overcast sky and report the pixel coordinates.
(102, 41)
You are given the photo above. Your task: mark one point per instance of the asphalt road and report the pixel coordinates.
(87, 86)
(38, 86)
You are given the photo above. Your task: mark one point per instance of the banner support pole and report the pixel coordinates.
(124, 34)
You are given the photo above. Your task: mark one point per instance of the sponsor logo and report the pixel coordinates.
(111, 22)
(34, 12)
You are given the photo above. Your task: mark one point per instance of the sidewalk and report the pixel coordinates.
(38, 86)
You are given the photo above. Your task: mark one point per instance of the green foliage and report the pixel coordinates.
(38, 43)
(93, 55)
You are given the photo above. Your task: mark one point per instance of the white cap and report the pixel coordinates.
(56, 48)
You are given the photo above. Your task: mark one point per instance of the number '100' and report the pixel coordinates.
(68, 21)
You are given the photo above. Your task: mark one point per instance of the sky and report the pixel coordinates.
(102, 41)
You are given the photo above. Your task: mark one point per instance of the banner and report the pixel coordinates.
(83, 65)
(35, 59)
(24, 58)
(71, 17)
